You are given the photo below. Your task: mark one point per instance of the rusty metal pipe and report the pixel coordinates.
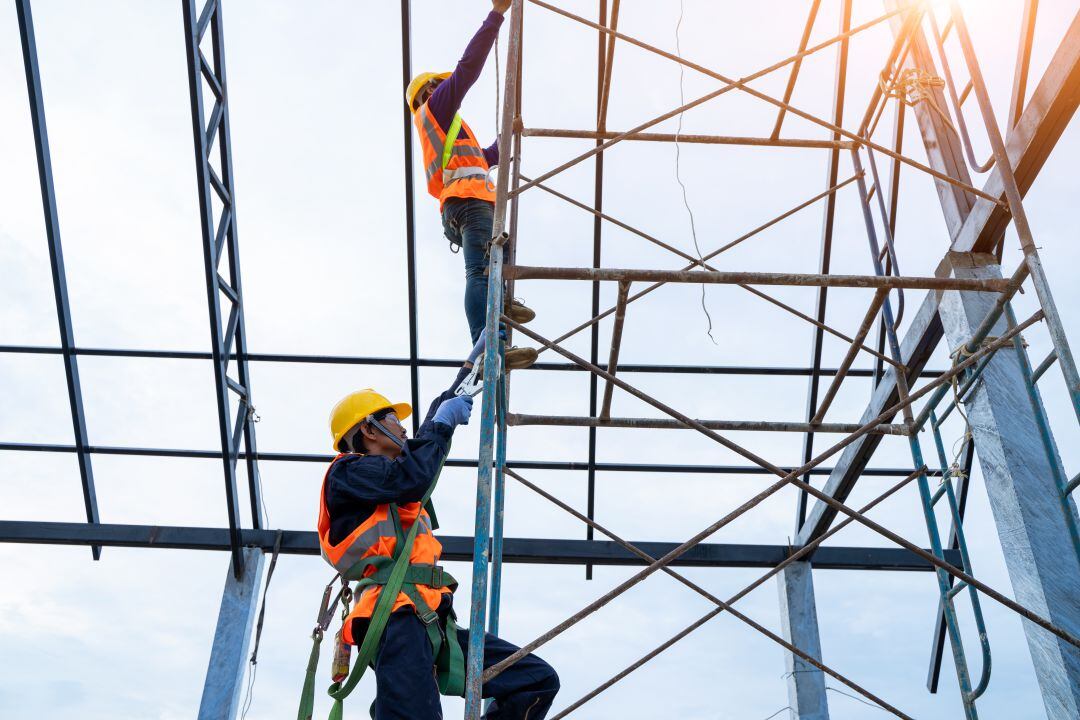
(616, 343)
(519, 419)
(691, 139)
(849, 358)
(890, 282)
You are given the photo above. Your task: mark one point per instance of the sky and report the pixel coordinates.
(315, 93)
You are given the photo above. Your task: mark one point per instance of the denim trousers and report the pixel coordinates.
(407, 690)
(467, 222)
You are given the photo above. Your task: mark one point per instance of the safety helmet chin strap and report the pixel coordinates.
(381, 428)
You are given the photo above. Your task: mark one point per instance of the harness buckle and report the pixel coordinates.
(436, 576)
(427, 617)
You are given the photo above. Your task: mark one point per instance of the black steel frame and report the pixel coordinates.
(228, 337)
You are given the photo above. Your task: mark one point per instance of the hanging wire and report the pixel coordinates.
(497, 119)
(853, 697)
(678, 167)
(254, 660)
(788, 708)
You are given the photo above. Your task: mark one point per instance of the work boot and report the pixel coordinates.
(517, 358)
(516, 311)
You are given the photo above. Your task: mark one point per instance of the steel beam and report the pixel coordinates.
(410, 213)
(832, 171)
(219, 237)
(435, 362)
(224, 684)
(1045, 118)
(56, 260)
(1028, 144)
(1019, 476)
(798, 621)
(459, 548)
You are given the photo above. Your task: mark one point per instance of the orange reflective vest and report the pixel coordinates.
(377, 536)
(456, 168)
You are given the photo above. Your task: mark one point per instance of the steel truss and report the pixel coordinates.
(977, 218)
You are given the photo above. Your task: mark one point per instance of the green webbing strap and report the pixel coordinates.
(451, 138)
(307, 695)
(403, 550)
(433, 576)
(451, 662)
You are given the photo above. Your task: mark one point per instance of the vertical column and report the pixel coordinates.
(56, 260)
(474, 663)
(225, 303)
(798, 621)
(228, 657)
(1019, 474)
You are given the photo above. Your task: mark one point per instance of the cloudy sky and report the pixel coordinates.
(317, 142)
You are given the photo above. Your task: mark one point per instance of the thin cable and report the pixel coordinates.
(254, 660)
(678, 168)
(841, 692)
(248, 696)
(788, 708)
(497, 87)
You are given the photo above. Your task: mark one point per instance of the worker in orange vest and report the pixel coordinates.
(373, 493)
(457, 169)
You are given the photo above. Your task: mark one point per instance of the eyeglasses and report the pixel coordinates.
(392, 418)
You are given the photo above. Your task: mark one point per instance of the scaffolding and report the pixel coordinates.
(968, 301)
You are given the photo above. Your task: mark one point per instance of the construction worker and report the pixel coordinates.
(372, 495)
(457, 174)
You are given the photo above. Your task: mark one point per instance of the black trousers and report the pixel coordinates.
(406, 685)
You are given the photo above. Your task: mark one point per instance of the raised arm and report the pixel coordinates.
(446, 100)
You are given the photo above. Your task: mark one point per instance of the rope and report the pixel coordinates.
(678, 168)
(913, 86)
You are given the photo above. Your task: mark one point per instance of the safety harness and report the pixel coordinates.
(396, 575)
(450, 176)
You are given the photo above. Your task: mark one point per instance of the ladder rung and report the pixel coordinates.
(956, 589)
(1073, 484)
(938, 494)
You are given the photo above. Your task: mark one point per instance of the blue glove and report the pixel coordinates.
(455, 411)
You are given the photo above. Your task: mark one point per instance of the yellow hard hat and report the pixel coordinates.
(356, 407)
(418, 83)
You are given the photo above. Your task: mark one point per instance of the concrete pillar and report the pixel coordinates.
(228, 656)
(1019, 476)
(798, 619)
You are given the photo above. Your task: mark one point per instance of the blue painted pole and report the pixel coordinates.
(959, 659)
(500, 502)
(474, 666)
(956, 642)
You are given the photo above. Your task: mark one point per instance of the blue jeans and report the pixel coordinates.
(468, 222)
(406, 687)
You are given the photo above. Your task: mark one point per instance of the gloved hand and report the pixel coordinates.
(455, 411)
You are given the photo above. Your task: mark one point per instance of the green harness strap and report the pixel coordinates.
(451, 138)
(396, 575)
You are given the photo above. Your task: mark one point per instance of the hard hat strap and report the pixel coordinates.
(381, 428)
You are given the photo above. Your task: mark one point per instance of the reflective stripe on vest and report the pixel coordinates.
(366, 537)
(454, 166)
(450, 176)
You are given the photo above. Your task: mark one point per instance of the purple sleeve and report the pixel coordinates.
(491, 153)
(446, 100)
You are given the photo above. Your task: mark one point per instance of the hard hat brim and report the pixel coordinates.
(402, 410)
(419, 82)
